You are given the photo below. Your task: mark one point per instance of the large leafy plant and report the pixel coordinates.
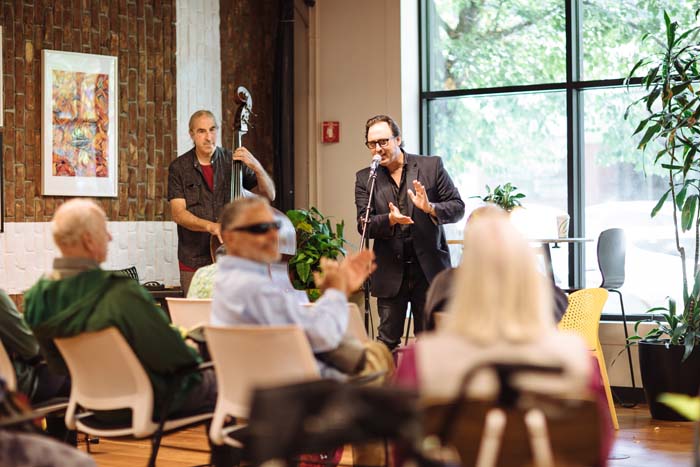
(672, 102)
(315, 239)
(505, 196)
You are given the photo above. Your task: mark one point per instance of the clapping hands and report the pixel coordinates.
(348, 275)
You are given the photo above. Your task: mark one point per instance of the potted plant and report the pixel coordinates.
(669, 357)
(315, 239)
(506, 196)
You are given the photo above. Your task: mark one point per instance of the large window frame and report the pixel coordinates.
(574, 87)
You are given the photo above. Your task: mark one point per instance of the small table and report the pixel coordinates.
(549, 243)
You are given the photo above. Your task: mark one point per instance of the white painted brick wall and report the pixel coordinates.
(198, 62)
(27, 251)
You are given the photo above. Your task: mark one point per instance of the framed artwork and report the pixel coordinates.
(79, 124)
(2, 191)
(2, 152)
(2, 106)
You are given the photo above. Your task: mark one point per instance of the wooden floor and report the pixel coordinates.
(641, 441)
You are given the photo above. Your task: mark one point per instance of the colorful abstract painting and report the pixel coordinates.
(80, 124)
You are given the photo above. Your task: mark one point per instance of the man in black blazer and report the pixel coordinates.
(413, 197)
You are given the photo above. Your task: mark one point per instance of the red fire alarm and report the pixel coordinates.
(331, 132)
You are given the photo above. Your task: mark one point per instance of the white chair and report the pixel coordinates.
(107, 375)
(189, 312)
(248, 357)
(356, 327)
(7, 370)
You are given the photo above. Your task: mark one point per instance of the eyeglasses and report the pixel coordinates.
(259, 229)
(380, 142)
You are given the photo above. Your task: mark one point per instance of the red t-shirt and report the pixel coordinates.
(208, 172)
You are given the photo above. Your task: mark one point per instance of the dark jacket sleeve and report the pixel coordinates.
(15, 335)
(158, 346)
(379, 226)
(449, 206)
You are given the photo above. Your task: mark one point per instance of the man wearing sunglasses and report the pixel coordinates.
(244, 293)
(413, 197)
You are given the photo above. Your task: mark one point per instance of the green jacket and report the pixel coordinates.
(20, 344)
(97, 299)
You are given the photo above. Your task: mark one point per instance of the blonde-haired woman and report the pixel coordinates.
(500, 311)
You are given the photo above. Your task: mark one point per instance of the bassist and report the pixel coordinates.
(199, 185)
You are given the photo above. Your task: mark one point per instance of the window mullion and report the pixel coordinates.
(575, 140)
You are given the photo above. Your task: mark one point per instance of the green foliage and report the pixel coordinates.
(505, 196)
(672, 103)
(477, 44)
(316, 239)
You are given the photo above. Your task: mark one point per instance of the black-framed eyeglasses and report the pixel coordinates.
(259, 229)
(381, 142)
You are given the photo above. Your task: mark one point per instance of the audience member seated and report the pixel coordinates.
(202, 285)
(440, 291)
(501, 312)
(78, 296)
(245, 294)
(34, 378)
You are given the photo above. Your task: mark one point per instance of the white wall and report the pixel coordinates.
(198, 63)
(359, 75)
(28, 252)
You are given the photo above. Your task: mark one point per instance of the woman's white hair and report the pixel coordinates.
(499, 293)
(74, 218)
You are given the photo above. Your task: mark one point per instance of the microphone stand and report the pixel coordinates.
(364, 243)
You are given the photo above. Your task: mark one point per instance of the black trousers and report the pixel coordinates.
(392, 310)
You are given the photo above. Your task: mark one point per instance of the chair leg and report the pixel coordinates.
(606, 385)
(155, 445)
(624, 323)
(490, 445)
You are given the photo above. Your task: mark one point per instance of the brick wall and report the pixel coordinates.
(248, 34)
(142, 35)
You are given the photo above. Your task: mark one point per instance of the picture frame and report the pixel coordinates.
(2, 152)
(79, 124)
(2, 105)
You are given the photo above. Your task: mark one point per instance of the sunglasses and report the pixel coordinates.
(259, 229)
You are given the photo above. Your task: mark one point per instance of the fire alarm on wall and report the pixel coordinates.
(331, 132)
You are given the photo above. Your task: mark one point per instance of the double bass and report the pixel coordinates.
(287, 234)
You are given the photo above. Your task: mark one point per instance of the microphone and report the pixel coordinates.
(375, 163)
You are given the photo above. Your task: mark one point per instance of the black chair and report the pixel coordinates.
(611, 262)
(130, 272)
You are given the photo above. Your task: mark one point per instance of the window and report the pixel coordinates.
(531, 92)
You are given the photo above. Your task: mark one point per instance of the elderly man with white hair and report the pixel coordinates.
(78, 296)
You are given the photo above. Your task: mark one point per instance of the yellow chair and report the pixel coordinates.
(583, 317)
